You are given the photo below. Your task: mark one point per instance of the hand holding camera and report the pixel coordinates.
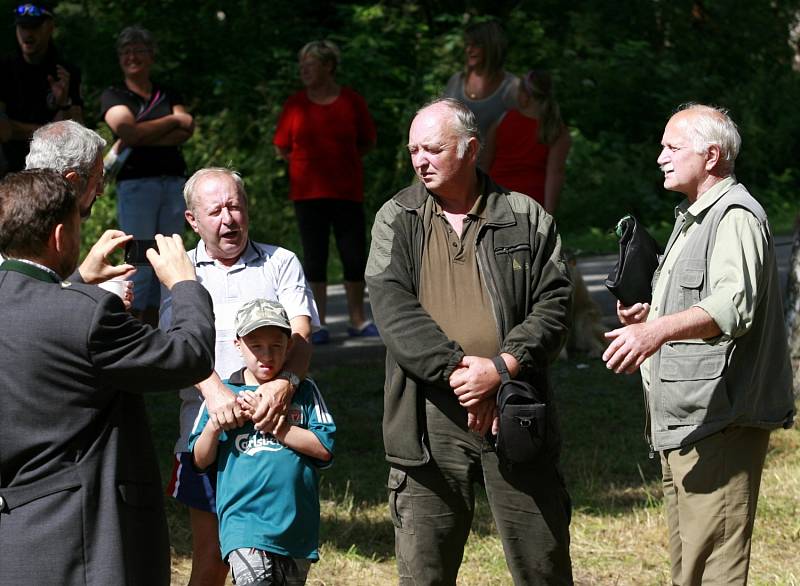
(170, 261)
(96, 267)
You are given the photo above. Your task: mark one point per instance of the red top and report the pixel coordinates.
(520, 160)
(324, 142)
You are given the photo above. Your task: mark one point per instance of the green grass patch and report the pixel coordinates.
(618, 529)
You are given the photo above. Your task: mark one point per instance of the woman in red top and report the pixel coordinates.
(322, 132)
(526, 151)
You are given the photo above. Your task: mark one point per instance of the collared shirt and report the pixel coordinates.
(735, 266)
(47, 270)
(452, 290)
(264, 271)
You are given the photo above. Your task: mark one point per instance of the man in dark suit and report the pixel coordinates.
(80, 491)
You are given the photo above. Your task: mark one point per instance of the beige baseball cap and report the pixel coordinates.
(259, 313)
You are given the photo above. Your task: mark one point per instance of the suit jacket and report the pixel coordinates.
(80, 491)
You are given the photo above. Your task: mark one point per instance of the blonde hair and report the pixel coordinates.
(191, 183)
(539, 85)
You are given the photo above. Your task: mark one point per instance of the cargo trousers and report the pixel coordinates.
(432, 507)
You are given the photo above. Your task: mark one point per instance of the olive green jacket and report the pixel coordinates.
(519, 257)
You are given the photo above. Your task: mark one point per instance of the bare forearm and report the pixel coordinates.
(22, 130)
(299, 357)
(5, 130)
(174, 137)
(73, 113)
(208, 386)
(686, 325)
(552, 191)
(304, 441)
(147, 133)
(204, 453)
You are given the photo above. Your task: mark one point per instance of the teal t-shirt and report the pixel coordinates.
(267, 494)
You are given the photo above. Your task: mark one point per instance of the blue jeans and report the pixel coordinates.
(146, 207)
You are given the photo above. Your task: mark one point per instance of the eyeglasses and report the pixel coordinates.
(128, 51)
(31, 10)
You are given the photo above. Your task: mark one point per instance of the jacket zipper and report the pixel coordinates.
(489, 284)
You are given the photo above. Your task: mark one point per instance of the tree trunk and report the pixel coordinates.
(792, 306)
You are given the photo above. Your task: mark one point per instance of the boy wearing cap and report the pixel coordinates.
(267, 484)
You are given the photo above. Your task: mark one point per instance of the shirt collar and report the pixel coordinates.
(248, 256)
(478, 209)
(31, 268)
(705, 201)
(237, 378)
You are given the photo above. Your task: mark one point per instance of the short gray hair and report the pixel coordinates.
(66, 146)
(134, 35)
(191, 183)
(464, 124)
(713, 126)
(325, 51)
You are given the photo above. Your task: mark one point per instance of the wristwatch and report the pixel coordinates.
(293, 379)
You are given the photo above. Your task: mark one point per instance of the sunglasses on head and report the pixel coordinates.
(31, 10)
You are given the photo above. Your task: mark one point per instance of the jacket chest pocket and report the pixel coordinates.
(516, 257)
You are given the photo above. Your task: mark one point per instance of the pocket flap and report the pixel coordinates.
(397, 478)
(691, 362)
(139, 494)
(691, 278)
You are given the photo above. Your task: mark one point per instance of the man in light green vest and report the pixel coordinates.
(712, 351)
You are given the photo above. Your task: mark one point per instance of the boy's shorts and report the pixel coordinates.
(256, 567)
(192, 488)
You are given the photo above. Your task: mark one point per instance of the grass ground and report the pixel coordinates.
(618, 530)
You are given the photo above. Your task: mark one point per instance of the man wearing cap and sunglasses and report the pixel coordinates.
(36, 85)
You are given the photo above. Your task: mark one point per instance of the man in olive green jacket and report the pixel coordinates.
(460, 272)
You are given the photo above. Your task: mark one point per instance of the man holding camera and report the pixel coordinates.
(461, 271)
(80, 489)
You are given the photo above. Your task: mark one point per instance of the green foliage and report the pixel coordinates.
(620, 70)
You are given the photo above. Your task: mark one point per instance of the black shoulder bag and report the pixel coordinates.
(523, 419)
(630, 280)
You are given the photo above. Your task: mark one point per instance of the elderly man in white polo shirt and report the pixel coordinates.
(234, 270)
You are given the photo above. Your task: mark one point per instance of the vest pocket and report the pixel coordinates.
(693, 388)
(691, 283)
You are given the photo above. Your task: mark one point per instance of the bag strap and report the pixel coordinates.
(154, 100)
(502, 369)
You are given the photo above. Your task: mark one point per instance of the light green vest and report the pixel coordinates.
(699, 387)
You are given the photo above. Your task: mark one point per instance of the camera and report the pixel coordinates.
(135, 251)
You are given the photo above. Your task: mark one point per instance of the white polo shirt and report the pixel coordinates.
(263, 271)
